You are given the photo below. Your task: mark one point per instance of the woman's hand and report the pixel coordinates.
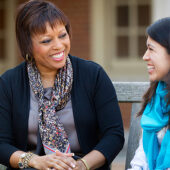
(80, 166)
(53, 161)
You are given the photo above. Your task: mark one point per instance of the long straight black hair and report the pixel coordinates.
(160, 32)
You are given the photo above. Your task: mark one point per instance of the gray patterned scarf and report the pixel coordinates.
(52, 132)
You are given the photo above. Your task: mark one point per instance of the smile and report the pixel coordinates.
(58, 57)
(150, 67)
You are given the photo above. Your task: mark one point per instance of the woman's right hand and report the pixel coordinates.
(53, 161)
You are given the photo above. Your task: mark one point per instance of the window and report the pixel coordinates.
(131, 17)
(125, 38)
(122, 46)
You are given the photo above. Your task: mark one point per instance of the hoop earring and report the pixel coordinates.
(28, 58)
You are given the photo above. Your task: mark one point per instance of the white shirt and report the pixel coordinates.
(139, 161)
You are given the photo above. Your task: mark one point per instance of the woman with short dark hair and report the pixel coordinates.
(57, 111)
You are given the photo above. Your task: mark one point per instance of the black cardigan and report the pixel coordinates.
(96, 112)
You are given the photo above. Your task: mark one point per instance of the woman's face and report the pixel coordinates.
(51, 49)
(158, 60)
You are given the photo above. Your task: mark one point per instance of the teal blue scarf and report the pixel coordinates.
(154, 118)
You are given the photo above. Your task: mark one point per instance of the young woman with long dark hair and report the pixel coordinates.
(153, 152)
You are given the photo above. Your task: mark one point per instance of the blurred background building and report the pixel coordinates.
(110, 32)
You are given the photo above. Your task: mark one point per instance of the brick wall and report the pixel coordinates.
(126, 114)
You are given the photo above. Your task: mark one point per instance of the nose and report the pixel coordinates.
(146, 56)
(57, 45)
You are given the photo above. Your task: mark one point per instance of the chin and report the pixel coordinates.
(151, 79)
(59, 66)
(154, 77)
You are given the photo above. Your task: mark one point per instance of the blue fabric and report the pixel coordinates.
(154, 118)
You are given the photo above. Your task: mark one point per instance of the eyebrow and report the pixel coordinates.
(47, 35)
(150, 45)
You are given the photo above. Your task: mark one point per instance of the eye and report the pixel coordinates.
(62, 35)
(46, 41)
(149, 48)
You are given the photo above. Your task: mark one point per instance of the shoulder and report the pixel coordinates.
(85, 67)
(15, 77)
(84, 64)
(15, 72)
(89, 73)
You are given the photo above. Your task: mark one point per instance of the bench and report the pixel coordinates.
(132, 92)
(129, 92)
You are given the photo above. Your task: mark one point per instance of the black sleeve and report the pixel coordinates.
(6, 136)
(109, 117)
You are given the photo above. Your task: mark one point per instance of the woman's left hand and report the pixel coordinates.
(80, 166)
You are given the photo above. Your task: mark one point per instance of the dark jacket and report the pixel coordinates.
(96, 112)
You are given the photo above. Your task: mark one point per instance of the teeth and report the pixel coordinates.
(151, 67)
(58, 55)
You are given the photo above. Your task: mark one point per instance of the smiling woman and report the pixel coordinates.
(158, 60)
(57, 111)
(50, 51)
(154, 149)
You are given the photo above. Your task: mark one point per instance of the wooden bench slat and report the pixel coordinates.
(130, 91)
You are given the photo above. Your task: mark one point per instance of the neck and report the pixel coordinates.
(48, 78)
